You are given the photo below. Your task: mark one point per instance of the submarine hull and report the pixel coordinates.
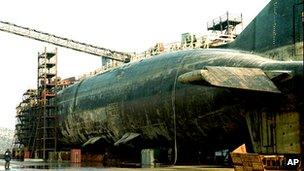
(146, 99)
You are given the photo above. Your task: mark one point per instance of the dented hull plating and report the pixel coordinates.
(143, 97)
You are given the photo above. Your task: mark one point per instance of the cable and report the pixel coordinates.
(174, 123)
(173, 109)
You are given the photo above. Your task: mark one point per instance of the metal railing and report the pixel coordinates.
(225, 17)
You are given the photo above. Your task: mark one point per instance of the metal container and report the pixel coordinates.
(75, 156)
(147, 158)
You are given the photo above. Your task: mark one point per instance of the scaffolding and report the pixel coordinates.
(25, 126)
(225, 26)
(46, 131)
(36, 128)
(226, 22)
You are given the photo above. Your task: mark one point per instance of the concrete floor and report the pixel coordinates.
(26, 166)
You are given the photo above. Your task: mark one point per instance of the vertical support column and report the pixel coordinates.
(227, 21)
(242, 21)
(44, 103)
(55, 91)
(221, 25)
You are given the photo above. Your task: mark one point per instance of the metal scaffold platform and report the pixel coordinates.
(46, 132)
(226, 22)
(24, 137)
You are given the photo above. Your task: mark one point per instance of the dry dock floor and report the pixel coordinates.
(36, 166)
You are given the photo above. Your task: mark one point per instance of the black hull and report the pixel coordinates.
(144, 97)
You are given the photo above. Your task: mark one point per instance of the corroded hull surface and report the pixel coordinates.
(143, 97)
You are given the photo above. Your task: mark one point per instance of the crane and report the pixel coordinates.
(64, 42)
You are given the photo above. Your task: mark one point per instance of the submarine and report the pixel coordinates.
(196, 102)
(187, 107)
